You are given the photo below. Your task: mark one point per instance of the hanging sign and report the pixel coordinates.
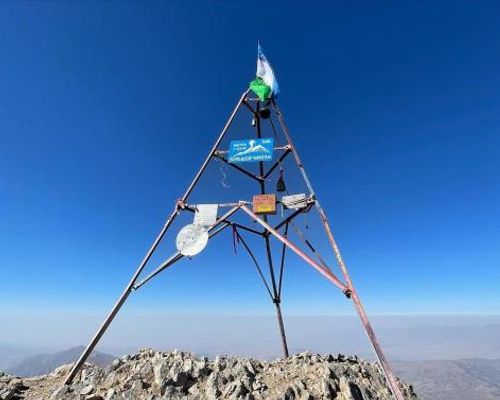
(294, 201)
(251, 150)
(264, 204)
(206, 214)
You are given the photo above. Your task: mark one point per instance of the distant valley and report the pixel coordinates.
(468, 379)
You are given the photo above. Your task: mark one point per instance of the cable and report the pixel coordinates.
(223, 173)
(238, 235)
(308, 244)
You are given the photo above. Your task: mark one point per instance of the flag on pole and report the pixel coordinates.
(264, 85)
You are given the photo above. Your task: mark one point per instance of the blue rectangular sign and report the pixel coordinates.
(251, 150)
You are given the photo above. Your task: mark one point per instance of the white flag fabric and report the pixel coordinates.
(265, 72)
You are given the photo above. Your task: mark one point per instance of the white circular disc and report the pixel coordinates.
(191, 239)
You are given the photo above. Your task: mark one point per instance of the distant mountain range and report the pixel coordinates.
(42, 364)
(13, 354)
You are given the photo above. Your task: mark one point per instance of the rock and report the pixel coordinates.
(59, 393)
(160, 370)
(16, 382)
(288, 395)
(194, 391)
(94, 397)
(7, 393)
(115, 364)
(87, 390)
(326, 388)
(137, 385)
(178, 375)
(110, 394)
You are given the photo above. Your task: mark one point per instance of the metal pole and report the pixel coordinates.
(389, 374)
(277, 304)
(177, 256)
(214, 148)
(326, 273)
(164, 265)
(294, 150)
(237, 167)
(119, 303)
(172, 260)
(282, 263)
(276, 298)
(277, 163)
(391, 379)
(128, 289)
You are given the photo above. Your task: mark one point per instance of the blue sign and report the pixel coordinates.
(251, 150)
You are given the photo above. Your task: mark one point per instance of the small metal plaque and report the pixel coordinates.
(206, 214)
(251, 150)
(191, 239)
(294, 201)
(264, 204)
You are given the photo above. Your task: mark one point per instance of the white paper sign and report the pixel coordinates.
(206, 214)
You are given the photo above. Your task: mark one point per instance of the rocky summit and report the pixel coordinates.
(153, 375)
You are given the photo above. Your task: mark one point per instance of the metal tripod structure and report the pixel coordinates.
(279, 231)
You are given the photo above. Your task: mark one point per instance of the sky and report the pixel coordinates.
(107, 109)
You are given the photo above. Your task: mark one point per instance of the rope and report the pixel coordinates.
(223, 173)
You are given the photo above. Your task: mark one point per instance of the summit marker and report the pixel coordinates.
(246, 218)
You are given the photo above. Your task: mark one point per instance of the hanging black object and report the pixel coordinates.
(280, 185)
(264, 113)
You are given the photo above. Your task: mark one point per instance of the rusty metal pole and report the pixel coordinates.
(119, 303)
(389, 374)
(213, 230)
(121, 300)
(214, 148)
(322, 270)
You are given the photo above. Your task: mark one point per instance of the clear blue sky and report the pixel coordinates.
(107, 109)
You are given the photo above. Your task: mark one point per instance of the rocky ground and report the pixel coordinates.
(152, 375)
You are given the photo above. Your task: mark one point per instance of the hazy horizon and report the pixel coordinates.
(407, 338)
